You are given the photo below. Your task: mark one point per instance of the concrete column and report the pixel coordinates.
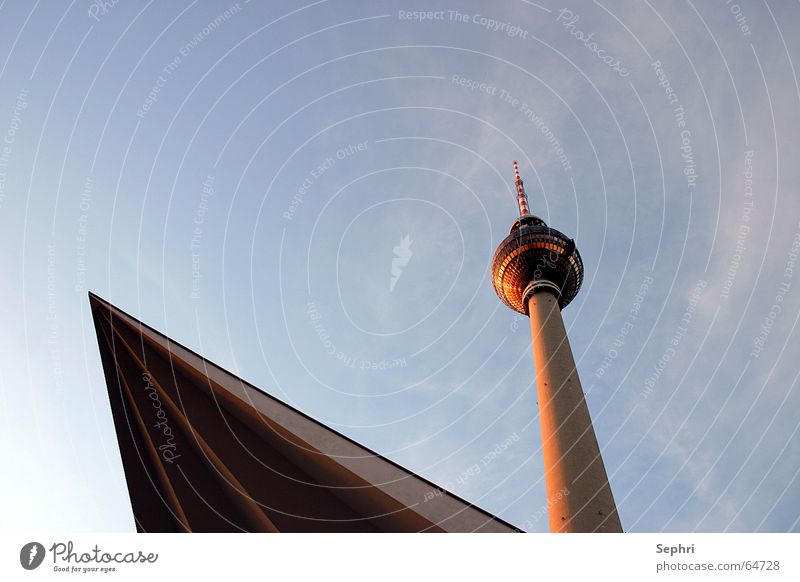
(579, 498)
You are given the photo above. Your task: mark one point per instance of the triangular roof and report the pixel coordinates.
(203, 450)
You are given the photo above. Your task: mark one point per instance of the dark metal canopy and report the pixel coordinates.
(205, 451)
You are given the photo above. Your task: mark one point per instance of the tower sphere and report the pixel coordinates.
(535, 257)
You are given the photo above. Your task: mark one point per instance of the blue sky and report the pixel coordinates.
(239, 175)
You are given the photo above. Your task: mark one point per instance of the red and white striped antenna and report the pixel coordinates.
(522, 198)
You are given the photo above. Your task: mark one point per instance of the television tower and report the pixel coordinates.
(537, 271)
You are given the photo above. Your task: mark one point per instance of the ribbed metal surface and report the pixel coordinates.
(533, 252)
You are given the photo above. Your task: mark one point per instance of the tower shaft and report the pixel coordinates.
(579, 497)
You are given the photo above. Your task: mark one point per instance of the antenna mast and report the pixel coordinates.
(522, 198)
